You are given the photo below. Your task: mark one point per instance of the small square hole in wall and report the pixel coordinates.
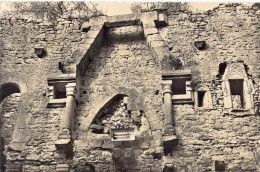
(220, 166)
(178, 86)
(59, 91)
(201, 95)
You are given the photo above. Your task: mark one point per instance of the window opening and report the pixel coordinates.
(59, 91)
(201, 95)
(222, 68)
(219, 166)
(178, 86)
(236, 89)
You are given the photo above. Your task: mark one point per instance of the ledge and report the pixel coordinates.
(169, 138)
(55, 103)
(62, 78)
(241, 112)
(64, 144)
(182, 98)
(177, 74)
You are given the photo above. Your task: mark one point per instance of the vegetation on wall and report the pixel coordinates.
(137, 7)
(53, 10)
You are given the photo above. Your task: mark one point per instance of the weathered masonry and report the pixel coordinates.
(163, 91)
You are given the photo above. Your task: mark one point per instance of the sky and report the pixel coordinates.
(123, 7)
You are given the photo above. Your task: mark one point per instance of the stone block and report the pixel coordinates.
(96, 143)
(156, 44)
(13, 167)
(92, 34)
(62, 168)
(19, 135)
(82, 135)
(96, 128)
(17, 146)
(154, 37)
(128, 153)
(156, 125)
(108, 144)
(150, 31)
(116, 155)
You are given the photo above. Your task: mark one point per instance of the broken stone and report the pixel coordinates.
(96, 128)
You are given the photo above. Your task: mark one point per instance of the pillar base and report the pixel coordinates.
(64, 140)
(169, 138)
(169, 130)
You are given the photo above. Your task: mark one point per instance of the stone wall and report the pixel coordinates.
(9, 108)
(205, 135)
(37, 125)
(125, 66)
(119, 84)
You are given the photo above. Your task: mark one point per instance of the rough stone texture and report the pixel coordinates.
(125, 56)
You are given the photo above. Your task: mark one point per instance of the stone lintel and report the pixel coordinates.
(177, 74)
(122, 23)
(62, 78)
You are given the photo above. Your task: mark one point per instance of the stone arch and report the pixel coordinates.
(134, 96)
(14, 81)
(7, 89)
(100, 104)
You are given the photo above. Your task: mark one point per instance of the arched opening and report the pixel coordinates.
(8, 89)
(9, 105)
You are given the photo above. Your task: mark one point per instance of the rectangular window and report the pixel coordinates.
(201, 95)
(178, 86)
(236, 90)
(59, 91)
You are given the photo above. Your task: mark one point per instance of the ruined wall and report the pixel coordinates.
(231, 33)
(124, 65)
(21, 65)
(9, 108)
(122, 86)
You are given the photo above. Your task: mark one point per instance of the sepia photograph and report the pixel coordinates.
(129, 86)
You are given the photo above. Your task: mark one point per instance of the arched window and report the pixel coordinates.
(8, 89)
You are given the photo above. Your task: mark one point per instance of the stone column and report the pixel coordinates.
(70, 106)
(68, 115)
(167, 97)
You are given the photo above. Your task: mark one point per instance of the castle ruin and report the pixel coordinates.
(160, 91)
